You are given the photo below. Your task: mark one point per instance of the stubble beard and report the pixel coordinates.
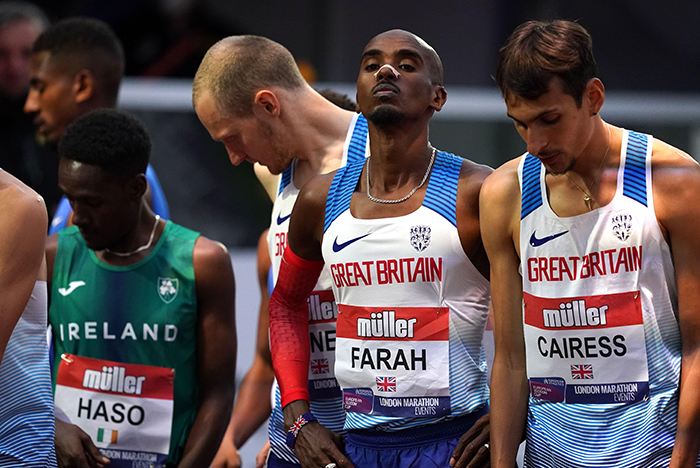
(386, 116)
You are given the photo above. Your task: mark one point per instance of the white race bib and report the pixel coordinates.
(394, 361)
(126, 409)
(586, 349)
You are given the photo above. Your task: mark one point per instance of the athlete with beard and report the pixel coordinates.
(400, 235)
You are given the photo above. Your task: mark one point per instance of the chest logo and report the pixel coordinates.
(168, 288)
(72, 286)
(622, 226)
(338, 247)
(535, 242)
(420, 237)
(281, 219)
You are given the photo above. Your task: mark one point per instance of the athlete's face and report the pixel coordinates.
(104, 207)
(51, 100)
(397, 79)
(245, 138)
(555, 129)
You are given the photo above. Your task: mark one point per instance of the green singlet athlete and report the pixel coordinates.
(142, 313)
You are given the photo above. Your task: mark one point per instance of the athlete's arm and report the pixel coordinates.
(471, 451)
(23, 225)
(216, 351)
(253, 405)
(289, 325)
(676, 184)
(499, 212)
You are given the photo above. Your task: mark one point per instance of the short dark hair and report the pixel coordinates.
(538, 51)
(92, 44)
(341, 100)
(236, 67)
(113, 140)
(15, 11)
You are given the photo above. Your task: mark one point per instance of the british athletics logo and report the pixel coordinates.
(386, 384)
(582, 371)
(320, 366)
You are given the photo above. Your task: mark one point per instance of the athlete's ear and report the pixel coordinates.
(266, 104)
(439, 98)
(137, 186)
(83, 85)
(594, 95)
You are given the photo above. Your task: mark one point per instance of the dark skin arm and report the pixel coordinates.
(74, 448)
(315, 445)
(253, 405)
(216, 351)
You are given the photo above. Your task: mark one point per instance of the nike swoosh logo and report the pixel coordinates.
(281, 219)
(535, 242)
(72, 286)
(338, 247)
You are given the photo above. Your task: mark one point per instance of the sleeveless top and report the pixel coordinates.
(326, 402)
(140, 314)
(411, 308)
(600, 319)
(26, 406)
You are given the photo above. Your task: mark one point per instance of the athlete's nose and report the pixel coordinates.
(387, 71)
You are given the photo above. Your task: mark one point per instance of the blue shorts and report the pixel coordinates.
(420, 447)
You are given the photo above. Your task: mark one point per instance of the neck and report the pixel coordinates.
(319, 129)
(399, 155)
(145, 229)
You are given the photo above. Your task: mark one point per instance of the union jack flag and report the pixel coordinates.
(386, 384)
(298, 424)
(582, 371)
(320, 366)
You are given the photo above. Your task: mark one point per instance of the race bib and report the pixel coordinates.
(394, 362)
(323, 313)
(127, 409)
(586, 349)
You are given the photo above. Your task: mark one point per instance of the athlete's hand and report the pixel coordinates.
(471, 450)
(74, 448)
(317, 446)
(227, 456)
(261, 457)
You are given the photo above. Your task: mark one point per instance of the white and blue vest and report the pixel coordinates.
(600, 321)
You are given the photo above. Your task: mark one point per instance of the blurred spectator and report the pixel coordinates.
(20, 25)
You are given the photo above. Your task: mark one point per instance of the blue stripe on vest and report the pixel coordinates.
(341, 191)
(531, 191)
(358, 140)
(441, 196)
(286, 178)
(634, 183)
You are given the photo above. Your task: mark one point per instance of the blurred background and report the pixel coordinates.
(648, 53)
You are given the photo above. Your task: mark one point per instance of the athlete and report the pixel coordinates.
(142, 312)
(26, 408)
(77, 65)
(400, 236)
(250, 95)
(592, 239)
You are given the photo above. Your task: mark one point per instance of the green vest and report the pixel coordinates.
(145, 313)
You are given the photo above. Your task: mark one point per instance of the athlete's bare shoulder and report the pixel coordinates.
(676, 184)
(503, 185)
(22, 207)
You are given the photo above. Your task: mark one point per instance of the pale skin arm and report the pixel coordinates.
(471, 451)
(253, 405)
(315, 445)
(676, 182)
(500, 197)
(216, 351)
